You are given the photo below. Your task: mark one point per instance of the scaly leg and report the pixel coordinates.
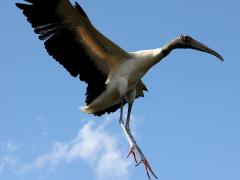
(132, 148)
(134, 145)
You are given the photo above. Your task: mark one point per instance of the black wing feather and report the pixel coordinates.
(61, 45)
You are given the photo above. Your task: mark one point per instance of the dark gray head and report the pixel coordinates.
(190, 43)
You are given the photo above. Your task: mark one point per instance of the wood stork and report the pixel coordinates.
(112, 74)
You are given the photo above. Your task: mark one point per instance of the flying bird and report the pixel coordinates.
(113, 75)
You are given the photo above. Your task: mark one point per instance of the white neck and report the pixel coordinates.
(147, 58)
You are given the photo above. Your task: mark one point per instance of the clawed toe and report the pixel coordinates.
(143, 161)
(147, 167)
(134, 153)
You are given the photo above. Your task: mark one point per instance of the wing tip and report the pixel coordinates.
(80, 9)
(19, 5)
(22, 6)
(86, 109)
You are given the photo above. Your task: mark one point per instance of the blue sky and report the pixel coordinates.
(188, 124)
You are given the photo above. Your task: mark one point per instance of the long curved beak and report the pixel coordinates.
(189, 42)
(201, 47)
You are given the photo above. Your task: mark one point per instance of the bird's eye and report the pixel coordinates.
(185, 38)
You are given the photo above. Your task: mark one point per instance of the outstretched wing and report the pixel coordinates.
(73, 41)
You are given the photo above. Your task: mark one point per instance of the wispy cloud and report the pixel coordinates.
(93, 145)
(7, 161)
(9, 147)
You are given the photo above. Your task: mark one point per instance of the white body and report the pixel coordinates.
(123, 81)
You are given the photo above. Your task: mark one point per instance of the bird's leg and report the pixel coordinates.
(132, 150)
(131, 142)
(135, 146)
(122, 122)
(121, 112)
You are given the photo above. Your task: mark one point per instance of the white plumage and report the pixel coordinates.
(112, 74)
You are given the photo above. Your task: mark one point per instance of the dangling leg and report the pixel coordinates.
(131, 143)
(121, 112)
(134, 145)
(132, 150)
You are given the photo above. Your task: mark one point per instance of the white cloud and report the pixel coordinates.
(6, 162)
(9, 146)
(94, 145)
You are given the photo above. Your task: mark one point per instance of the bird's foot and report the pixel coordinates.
(143, 160)
(147, 166)
(133, 151)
